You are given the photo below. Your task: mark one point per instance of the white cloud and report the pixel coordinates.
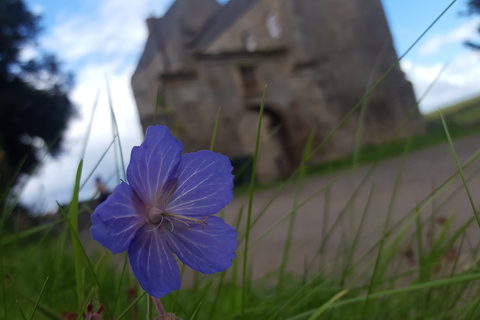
(95, 46)
(37, 10)
(116, 27)
(462, 33)
(459, 80)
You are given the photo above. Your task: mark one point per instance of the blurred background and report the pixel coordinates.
(101, 43)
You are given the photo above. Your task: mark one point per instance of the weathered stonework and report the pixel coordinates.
(318, 59)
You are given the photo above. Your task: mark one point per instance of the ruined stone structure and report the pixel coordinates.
(318, 59)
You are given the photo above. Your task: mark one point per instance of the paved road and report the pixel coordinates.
(423, 171)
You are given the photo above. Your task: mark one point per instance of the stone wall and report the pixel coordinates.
(317, 69)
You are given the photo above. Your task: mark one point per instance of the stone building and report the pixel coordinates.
(318, 59)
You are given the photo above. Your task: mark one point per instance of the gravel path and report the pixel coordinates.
(423, 171)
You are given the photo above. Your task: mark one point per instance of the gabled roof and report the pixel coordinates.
(223, 19)
(149, 52)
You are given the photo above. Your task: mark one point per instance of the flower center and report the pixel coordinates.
(156, 217)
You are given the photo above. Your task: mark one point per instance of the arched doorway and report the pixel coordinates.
(272, 162)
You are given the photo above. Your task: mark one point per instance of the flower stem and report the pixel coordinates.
(159, 306)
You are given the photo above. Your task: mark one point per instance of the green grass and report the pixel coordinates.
(461, 109)
(463, 120)
(51, 271)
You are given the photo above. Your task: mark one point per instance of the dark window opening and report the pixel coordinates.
(249, 80)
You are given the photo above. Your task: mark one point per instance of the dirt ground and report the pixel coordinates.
(423, 171)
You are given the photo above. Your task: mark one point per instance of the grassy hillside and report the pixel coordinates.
(463, 119)
(463, 113)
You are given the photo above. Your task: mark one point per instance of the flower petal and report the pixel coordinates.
(154, 164)
(117, 219)
(207, 250)
(204, 186)
(153, 263)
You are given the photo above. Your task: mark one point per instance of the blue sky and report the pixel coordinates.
(99, 39)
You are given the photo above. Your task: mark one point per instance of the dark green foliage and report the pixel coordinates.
(34, 107)
(474, 8)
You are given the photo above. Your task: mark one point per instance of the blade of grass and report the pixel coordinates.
(73, 213)
(217, 294)
(386, 226)
(288, 240)
(295, 296)
(38, 299)
(21, 311)
(177, 292)
(250, 203)
(379, 81)
(328, 304)
(315, 194)
(222, 279)
(120, 281)
(383, 294)
(131, 305)
(158, 102)
(195, 313)
(326, 214)
(356, 239)
(420, 205)
(89, 264)
(460, 169)
(423, 273)
(89, 128)
(41, 308)
(98, 163)
(116, 133)
(215, 129)
(24, 234)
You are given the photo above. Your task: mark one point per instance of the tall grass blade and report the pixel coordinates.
(288, 240)
(383, 294)
(313, 195)
(195, 313)
(27, 233)
(89, 264)
(327, 305)
(89, 128)
(73, 213)
(177, 292)
(214, 136)
(125, 262)
(158, 103)
(356, 239)
(432, 84)
(460, 169)
(379, 81)
(124, 313)
(250, 203)
(38, 299)
(116, 133)
(2, 279)
(373, 278)
(295, 296)
(98, 163)
(21, 311)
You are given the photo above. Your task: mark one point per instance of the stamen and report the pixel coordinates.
(177, 217)
(169, 220)
(156, 214)
(158, 226)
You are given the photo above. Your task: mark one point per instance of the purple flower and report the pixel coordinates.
(168, 205)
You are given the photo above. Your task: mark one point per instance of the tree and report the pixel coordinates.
(34, 106)
(473, 8)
